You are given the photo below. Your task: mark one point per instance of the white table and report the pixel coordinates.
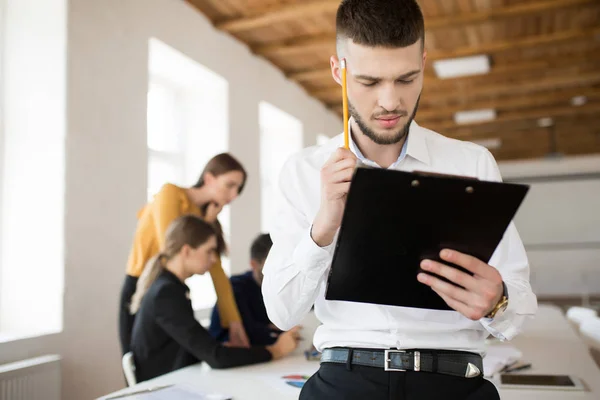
(549, 343)
(554, 347)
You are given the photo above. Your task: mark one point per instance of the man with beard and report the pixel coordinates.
(371, 351)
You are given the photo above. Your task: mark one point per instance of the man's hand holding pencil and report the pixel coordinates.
(336, 175)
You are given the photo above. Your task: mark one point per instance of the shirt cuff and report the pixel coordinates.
(311, 259)
(504, 326)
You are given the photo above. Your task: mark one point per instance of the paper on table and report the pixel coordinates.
(289, 383)
(179, 392)
(499, 356)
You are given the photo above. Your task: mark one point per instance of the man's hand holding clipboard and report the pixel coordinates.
(476, 295)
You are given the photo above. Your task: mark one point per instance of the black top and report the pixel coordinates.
(166, 336)
(249, 300)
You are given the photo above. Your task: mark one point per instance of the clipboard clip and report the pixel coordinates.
(468, 189)
(439, 175)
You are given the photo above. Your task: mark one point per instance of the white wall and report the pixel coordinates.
(106, 163)
(559, 223)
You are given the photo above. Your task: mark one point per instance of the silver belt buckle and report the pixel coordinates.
(387, 360)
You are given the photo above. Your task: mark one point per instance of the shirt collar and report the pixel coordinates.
(415, 146)
(417, 143)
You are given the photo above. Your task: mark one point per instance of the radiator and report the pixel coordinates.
(33, 379)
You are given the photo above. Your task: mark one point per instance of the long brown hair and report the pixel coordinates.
(185, 230)
(219, 165)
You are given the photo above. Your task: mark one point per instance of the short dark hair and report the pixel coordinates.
(260, 247)
(380, 23)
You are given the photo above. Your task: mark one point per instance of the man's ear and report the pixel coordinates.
(336, 71)
(254, 264)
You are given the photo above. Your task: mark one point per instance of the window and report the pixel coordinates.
(32, 162)
(280, 136)
(2, 45)
(187, 125)
(165, 136)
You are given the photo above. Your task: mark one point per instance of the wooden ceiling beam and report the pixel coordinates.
(523, 43)
(519, 87)
(531, 114)
(309, 74)
(507, 131)
(518, 102)
(292, 48)
(296, 46)
(503, 104)
(333, 96)
(503, 71)
(499, 13)
(496, 131)
(264, 17)
(526, 137)
(261, 18)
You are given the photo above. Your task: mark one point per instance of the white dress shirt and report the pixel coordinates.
(296, 269)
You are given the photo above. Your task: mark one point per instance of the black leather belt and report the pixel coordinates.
(456, 363)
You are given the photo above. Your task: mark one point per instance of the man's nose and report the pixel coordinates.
(389, 98)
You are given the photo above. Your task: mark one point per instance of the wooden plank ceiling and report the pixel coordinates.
(543, 54)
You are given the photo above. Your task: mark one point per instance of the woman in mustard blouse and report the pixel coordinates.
(221, 182)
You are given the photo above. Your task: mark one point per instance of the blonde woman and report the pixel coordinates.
(166, 336)
(220, 183)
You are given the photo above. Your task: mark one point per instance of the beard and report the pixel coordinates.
(395, 137)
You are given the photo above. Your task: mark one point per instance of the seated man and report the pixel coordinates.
(248, 296)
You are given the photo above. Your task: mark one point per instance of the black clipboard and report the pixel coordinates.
(395, 219)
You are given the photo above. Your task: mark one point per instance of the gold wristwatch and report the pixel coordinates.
(501, 305)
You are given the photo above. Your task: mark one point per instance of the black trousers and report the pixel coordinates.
(336, 381)
(125, 317)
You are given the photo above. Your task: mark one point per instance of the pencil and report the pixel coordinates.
(345, 102)
(519, 368)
